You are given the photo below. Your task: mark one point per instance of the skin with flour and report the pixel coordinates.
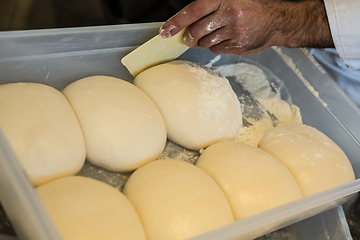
(249, 26)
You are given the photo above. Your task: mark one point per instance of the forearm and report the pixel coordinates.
(303, 24)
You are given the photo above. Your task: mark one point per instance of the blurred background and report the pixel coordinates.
(43, 14)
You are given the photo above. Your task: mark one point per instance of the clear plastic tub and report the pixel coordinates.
(60, 56)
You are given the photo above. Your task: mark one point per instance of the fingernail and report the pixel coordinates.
(165, 32)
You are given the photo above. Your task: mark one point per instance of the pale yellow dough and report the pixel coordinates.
(87, 209)
(42, 129)
(176, 200)
(199, 108)
(315, 161)
(252, 180)
(123, 128)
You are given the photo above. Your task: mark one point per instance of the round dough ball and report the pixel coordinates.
(176, 200)
(123, 129)
(252, 180)
(198, 108)
(42, 129)
(84, 208)
(315, 161)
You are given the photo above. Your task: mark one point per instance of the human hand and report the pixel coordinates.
(247, 26)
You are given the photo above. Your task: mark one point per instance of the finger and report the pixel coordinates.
(214, 38)
(188, 15)
(229, 46)
(203, 29)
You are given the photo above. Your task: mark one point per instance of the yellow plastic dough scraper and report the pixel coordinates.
(155, 51)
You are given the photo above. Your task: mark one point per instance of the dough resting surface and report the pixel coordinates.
(42, 129)
(252, 180)
(86, 209)
(176, 200)
(123, 128)
(315, 161)
(198, 108)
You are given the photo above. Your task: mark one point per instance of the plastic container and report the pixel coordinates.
(60, 56)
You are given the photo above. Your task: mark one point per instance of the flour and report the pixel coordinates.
(216, 94)
(291, 64)
(213, 99)
(252, 134)
(175, 151)
(282, 110)
(268, 94)
(252, 78)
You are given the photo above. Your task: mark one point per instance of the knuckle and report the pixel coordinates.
(235, 13)
(239, 29)
(210, 40)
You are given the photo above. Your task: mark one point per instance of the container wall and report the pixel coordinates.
(59, 57)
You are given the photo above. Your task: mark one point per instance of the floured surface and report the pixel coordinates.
(292, 65)
(252, 77)
(270, 92)
(118, 180)
(282, 110)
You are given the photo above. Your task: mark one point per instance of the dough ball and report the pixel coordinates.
(123, 128)
(252, 180)
(84, 208)
(315, 161)
(42, 129)
(176, 200)
(198, 108)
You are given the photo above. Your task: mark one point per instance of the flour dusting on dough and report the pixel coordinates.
(216, 94)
